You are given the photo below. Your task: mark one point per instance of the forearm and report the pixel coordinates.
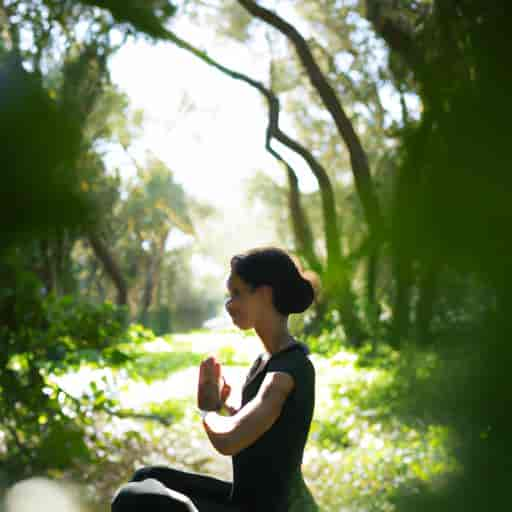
(220, 430)
(230, 434)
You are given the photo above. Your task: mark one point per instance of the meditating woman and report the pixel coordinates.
(267, 435)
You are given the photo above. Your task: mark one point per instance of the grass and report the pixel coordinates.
(361, 450)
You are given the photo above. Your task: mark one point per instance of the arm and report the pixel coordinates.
(231, 434)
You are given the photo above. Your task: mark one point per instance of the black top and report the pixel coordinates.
(263, 472)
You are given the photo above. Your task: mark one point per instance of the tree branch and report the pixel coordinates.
(358, 158)
(111, 267)
(21, 447)
(300, 224)
(396, 32)
(122, 413)
(185, 226)
(273, 131)
(337, 277)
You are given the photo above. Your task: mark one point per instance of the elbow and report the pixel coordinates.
(222, 445)
(227, 448)
(224, 451)
(231, 451)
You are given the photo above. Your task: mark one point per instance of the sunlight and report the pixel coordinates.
(41, 495)
(220, 142)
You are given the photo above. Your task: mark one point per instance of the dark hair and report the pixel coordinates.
(291, 292)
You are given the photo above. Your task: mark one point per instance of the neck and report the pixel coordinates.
(275, 335)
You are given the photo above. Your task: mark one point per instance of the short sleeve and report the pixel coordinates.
(292, 363)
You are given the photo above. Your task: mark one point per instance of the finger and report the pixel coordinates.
(226, 391)
(216, 370)
(206, 370)
(226, 388)
(208, 362)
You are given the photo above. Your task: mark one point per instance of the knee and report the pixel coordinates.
(124, 499)
(150, 494)
(143, 474)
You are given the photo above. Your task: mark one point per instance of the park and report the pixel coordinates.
(144, 144)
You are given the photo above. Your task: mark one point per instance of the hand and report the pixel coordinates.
(212, 390)
(224, 392)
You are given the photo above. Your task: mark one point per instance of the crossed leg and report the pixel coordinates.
(164, 489)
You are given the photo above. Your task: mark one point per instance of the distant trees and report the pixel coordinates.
(380, 245)
(370, 255)
(58, 109)
(121, 234)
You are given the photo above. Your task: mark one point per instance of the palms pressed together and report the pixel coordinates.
(212, 389)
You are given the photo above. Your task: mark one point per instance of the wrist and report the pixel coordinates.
(223, 410)
(203, 413)
(209, 405)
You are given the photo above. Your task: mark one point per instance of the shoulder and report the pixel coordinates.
(295, 361)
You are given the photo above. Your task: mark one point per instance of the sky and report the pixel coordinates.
(221, 141)
(215, 147)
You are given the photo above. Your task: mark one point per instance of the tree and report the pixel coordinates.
(454, 170)
(154, 206)
(49, 87)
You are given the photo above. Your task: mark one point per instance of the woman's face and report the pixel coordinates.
(242, 302)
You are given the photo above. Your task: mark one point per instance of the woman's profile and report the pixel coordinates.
(266, 436)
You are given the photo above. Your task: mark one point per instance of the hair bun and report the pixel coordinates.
(299, 297)
(293, 290)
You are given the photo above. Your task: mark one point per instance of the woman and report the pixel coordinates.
(267, 435)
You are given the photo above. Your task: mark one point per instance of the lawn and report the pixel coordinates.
(360, 452)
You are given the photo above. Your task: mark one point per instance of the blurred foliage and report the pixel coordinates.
(364, 445)
(44, 427)
(32, 202)
(150, 367)
(54, 189)
(71, 116)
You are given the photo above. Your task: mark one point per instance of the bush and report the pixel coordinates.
(44, 428)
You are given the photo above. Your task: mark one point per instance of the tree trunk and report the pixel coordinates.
(402, 301)
(111, 267)
(68, 282)
(358, 158)
(372, 305)
(300, 224)
(149, 285)
(336, 281)
(58, 259)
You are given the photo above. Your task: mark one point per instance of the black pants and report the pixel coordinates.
(163, 489)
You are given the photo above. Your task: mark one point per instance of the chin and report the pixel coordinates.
(241, 325)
